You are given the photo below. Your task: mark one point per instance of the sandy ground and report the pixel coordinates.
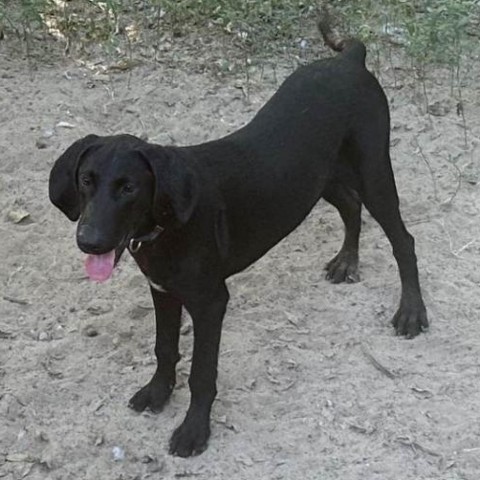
(299, 394)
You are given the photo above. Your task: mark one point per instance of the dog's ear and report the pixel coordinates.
(175, 183)
(62, 186)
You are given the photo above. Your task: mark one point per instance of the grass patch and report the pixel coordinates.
(430, 32)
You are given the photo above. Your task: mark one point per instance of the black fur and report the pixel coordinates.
(225, 203)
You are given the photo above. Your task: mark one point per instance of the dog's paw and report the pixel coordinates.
(152, 396)
(190, 438)
(410, 319)
(343, 268)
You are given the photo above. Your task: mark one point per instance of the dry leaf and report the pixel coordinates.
(17, 216)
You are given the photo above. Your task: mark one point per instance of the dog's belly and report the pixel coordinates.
(267, 217)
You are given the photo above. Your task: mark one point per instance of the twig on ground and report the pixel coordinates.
(459, 184)
(461, 249)
(427, 163)
(415, 446)
(377, 364)
(18, 301)
(470, 450)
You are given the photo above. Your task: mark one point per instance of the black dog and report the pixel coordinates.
(193, 216)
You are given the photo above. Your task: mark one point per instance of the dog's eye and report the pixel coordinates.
(127, 189)
(85, 180)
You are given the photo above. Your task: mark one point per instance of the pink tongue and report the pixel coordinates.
(100, 267)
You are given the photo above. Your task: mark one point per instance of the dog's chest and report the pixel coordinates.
(149, 266)
(155, 286)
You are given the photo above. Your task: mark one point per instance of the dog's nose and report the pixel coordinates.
(89, 240)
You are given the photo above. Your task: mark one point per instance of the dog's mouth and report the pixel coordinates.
(99, 267)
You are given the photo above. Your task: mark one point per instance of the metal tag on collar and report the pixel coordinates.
(134, 245)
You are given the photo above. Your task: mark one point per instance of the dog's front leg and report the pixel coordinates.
(191, 437)
(155, 394)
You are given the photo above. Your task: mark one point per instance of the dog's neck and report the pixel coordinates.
(136, 243)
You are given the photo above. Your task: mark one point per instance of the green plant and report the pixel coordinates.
(23, 16)
(431, 32)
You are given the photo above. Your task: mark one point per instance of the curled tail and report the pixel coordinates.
(350, 47)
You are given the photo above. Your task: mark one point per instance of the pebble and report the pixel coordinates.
(118, 454)
(147, 459)
(41, 143)
(90, 331)
(43, 336)
(439, 109)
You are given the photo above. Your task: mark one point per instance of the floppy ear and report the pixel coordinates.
(62, 186)
(174, 180)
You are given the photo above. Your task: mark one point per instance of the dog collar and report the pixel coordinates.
(135, 243)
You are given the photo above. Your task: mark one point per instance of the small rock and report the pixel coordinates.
(147, 459)
(48, 133)
(41, 436)
(397, 35)
(59, 332)
(17, 216)
(439, 109)
(64, 125)
(41, 143)
(99, 308)
(224, 65)
(43, 336)
(90, 331)
(118, 454)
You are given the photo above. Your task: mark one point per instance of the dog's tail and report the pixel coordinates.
(349, 47)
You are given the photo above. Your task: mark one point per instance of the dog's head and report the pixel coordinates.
(119, 188)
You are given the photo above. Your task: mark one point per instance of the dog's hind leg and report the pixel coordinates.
(344, 266)
(379, 194)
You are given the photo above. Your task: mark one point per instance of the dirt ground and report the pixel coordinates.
(301, 394)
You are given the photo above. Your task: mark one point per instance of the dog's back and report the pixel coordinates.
(287, 155)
